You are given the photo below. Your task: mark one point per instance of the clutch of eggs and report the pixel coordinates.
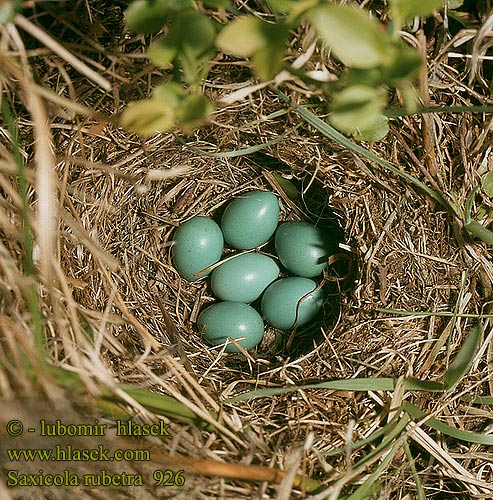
(248, 222)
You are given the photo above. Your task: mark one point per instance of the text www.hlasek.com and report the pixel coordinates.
(69, 454)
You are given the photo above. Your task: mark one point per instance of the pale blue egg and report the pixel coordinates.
(198, 244)
(250, 220)
(303, 248)
(244, 277)
(235, 320)
(281, 300)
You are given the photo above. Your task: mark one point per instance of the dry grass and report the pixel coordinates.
(104, 205)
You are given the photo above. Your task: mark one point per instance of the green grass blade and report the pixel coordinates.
(445, 314)
(353, 384)
(165, 405)
(414, 472)
(479, 231)
(462, 362)
(396, 112)
(240, 152)
(371, 486)
(331, 133)
(469, 436)
(28, 240)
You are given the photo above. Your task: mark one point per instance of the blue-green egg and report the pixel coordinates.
(281, 300)
(235, 320)
(244, 277)
(198, 244)
(303, 248)
(250, 220)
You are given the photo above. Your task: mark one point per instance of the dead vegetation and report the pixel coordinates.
(103, 205)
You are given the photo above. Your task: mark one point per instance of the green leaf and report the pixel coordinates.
(462, 361)
(193, 31)
(405, 63)
(281, 6)
(241, 37)
(352, 384)
(487, 183)
(162, 53)
(148, 117)
(193, 110)
(374, 132)
(267, 61)
(170, 93)
(8, 10)
(146, 16)
(455, 4)
(479, 231)
(248, 36)
(287, 186)
(355, 38)
(216, 4)
(405, 10)
(357, 108)
(468, 436)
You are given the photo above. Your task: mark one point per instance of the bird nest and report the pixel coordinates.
(405, 263)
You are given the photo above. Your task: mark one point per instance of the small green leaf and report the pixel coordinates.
(281, 6)
(8, 10)
(357, 108)
(193, 110)
(462, 362)
(405, 10)
(146, 16)
(248, 36)
(162, 53)
(148, 117)
(241, 37)
(487, 183)
(374, 132)
(356, 39)
(405, 63)
(267, 60)
(193, 31)
(170, 93)
(287, 186)
(455, 4)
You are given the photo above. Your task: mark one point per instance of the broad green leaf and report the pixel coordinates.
(193, 110)
(162, 53)
(374, 132)
(146, 16)
(405, 10)
(462, 362)
(487, 183)
(355, 38)
(170, 93)
(148, 117)
(241, 37)
(357, 108)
